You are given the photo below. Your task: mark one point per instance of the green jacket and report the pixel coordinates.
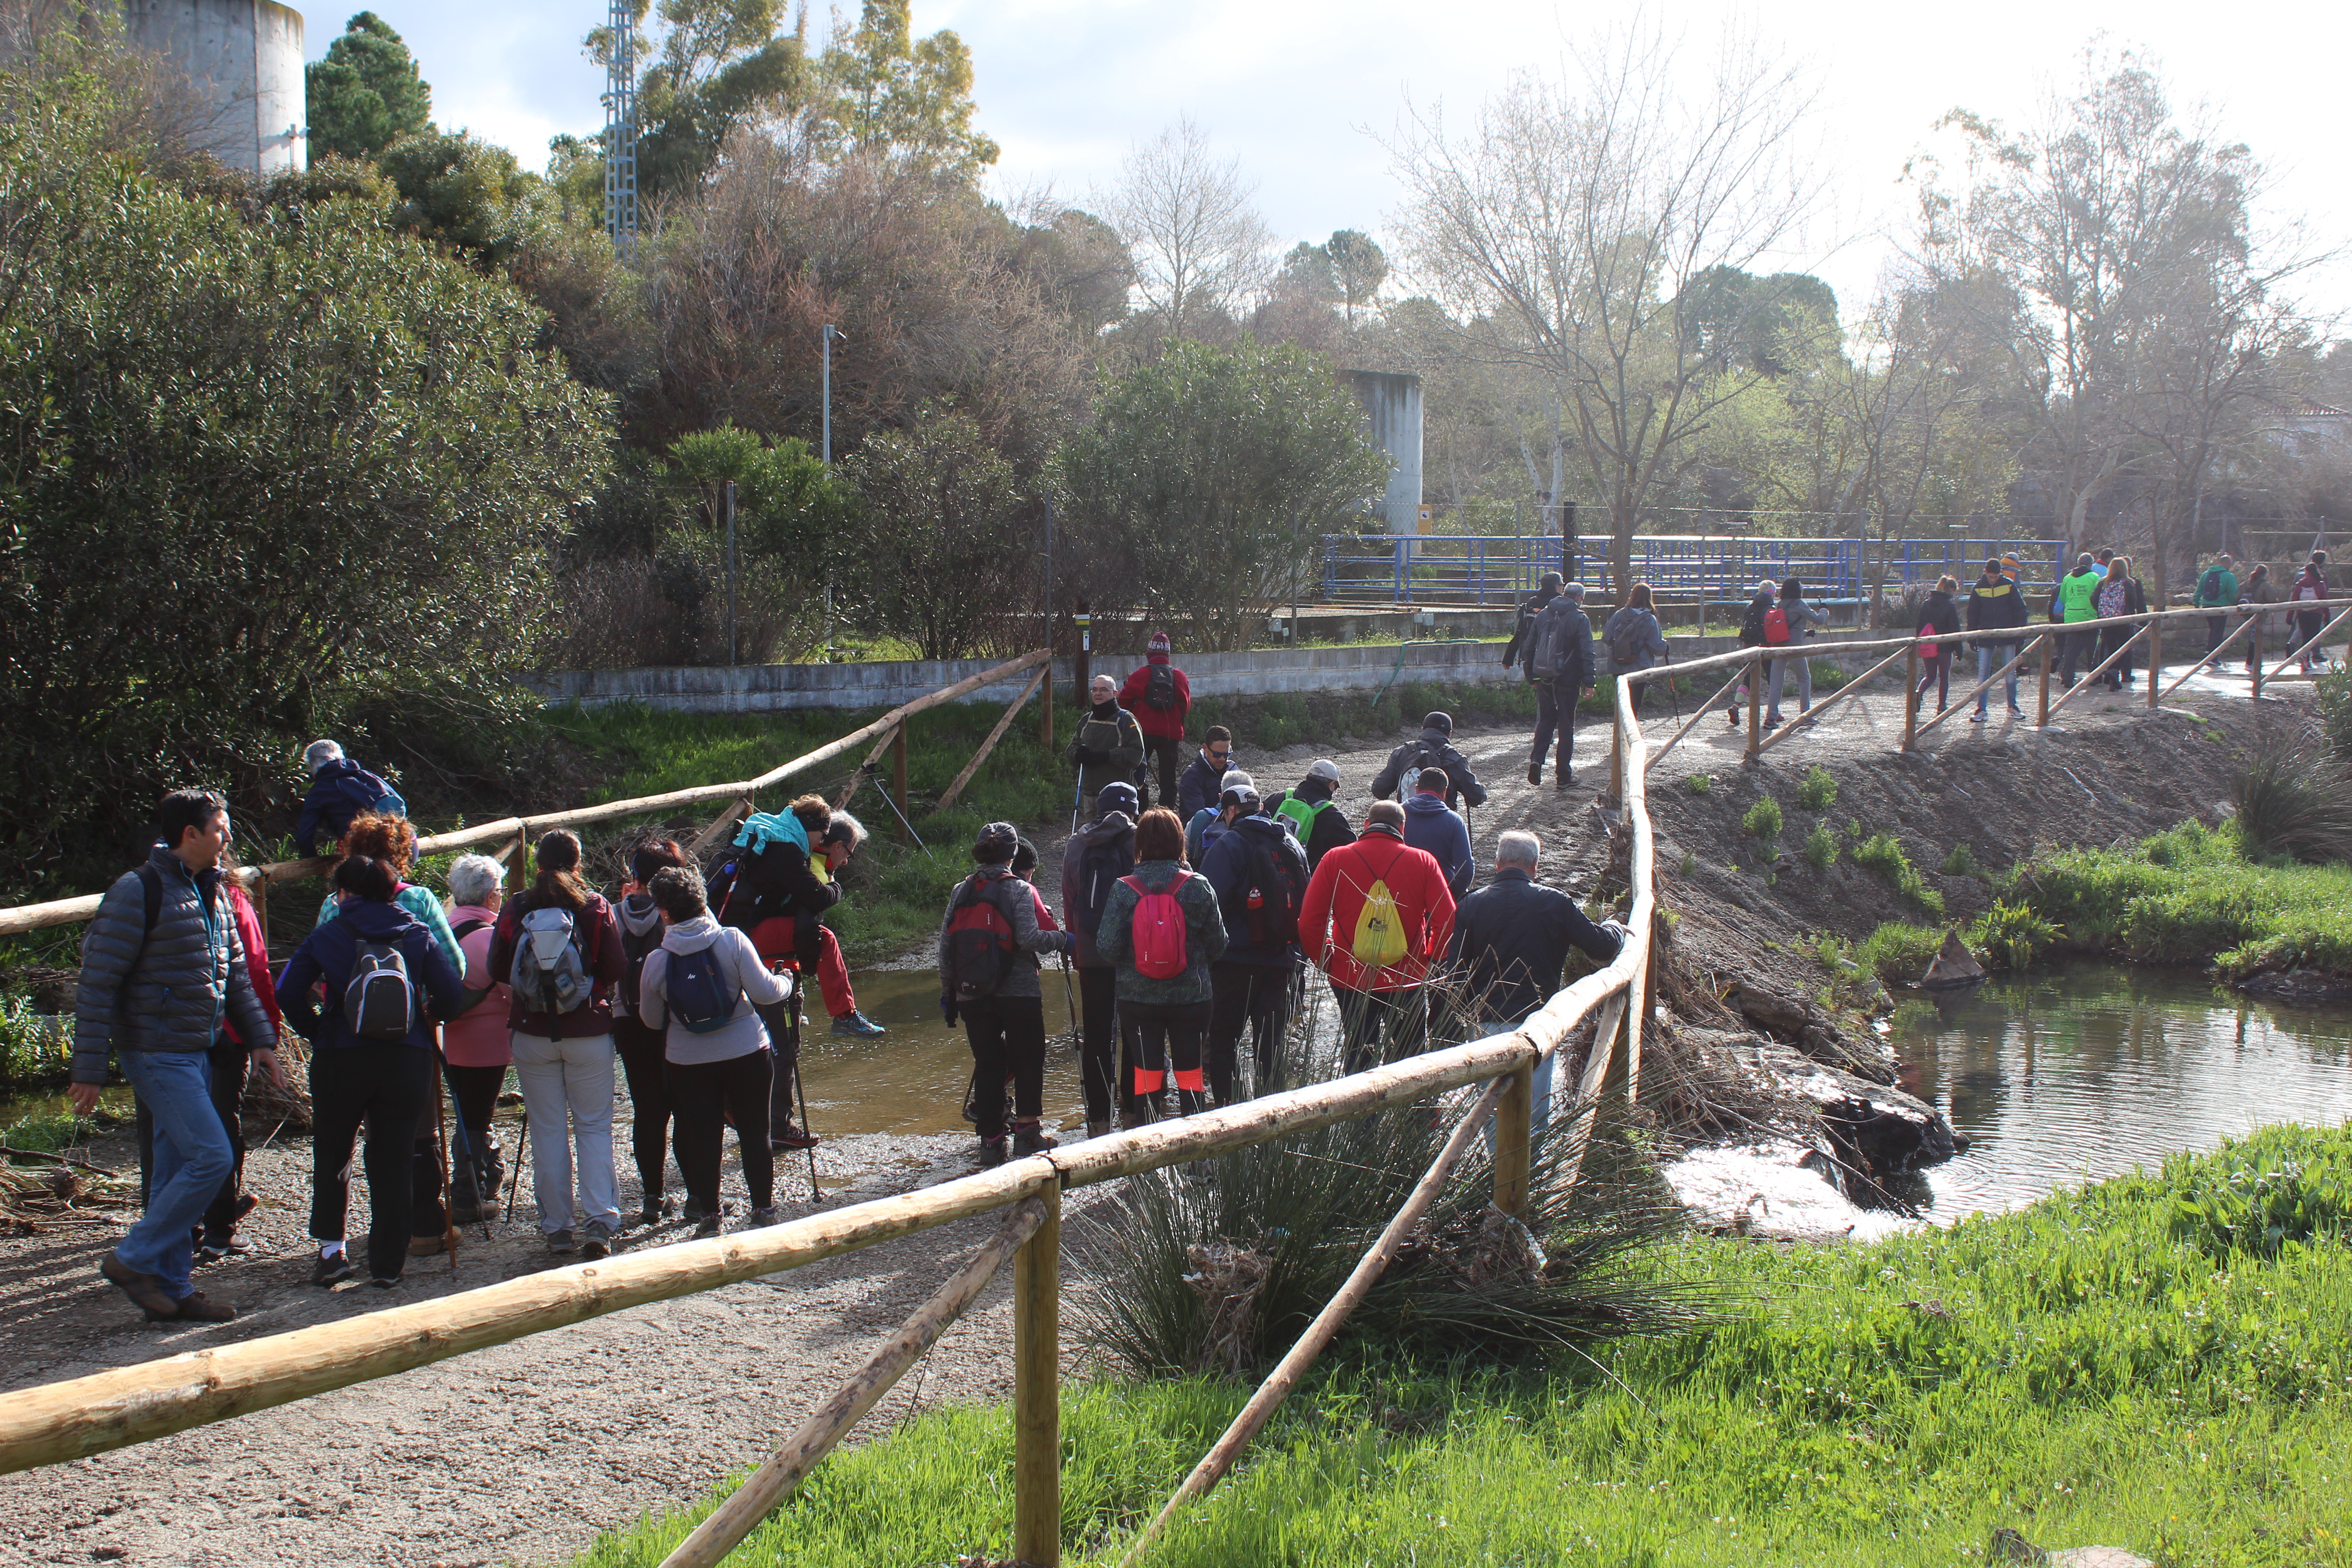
(1204, 936)
(1117, 742)
(2078, 592)
(2225, 588)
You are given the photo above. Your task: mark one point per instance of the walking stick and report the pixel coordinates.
(1070, 999)
(441, 1147)
(799, 1089)
(514, 1177)
(1077, 796)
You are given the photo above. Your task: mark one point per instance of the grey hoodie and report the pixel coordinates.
(640, 919)
(739, 964)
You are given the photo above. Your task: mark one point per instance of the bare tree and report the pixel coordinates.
(1199, 244)
(1566, 228)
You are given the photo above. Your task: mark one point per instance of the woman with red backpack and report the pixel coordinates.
(2311, 584)
(1939, 622)
(1787, 623)
(1161, 930)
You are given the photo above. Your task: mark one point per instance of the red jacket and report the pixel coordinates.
(1166, 722)
(1335, 897)
(256, 961)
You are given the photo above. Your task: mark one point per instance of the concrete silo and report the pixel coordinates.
(1392, 405)
(244, 60)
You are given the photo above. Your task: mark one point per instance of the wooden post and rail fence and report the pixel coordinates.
(54, 1422)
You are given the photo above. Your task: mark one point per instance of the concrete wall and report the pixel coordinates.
(245, 58)
(1392, 405)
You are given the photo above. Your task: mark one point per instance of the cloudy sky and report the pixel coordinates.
(1303, 90)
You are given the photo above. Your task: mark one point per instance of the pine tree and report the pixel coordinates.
(367, 94)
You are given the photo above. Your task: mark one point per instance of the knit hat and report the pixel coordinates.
(1117, 796)
(1159, 643)
(1441, 722)
(1552, 580)
(1324, 768)
(996, 842)
(1024, 857)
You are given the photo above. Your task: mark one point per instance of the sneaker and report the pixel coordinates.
(2015, 712)
(558, 1241)
(1772, 722)
(383, 1284)
(769, 1215)
(991, 1152)
(1563, 784)
(707, 1226)
(657, 1210)
(331, 1269)
(223, 1249)
(856, 1022)
(1535, 772)
(791, 1137)
(599, 1243)
(196, 1307)
(1979, 717)
(1033, 1140)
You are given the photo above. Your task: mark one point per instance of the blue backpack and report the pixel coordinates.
(700, 996)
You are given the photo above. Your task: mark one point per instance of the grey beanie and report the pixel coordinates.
(1443, 722)
(996, 842)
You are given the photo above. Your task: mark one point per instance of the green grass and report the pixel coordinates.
(2195, 896)
(1898, 951)
(2162, 1363)
(1882, 854)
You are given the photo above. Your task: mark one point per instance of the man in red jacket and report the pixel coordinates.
(1159, 696)
(1376, 915)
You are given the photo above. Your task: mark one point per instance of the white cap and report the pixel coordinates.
(1325, 769)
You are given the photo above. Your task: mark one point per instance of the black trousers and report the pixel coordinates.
(1161, 748)
(2080, 647)
(2110, 640)
(640, 1050)
(1007, 1034)
(2216, 628)
(388, 1088)
(1555, 712)
(230, 1062)
(1258, 996)
(1378, 1027)
(1106, 1046)
(475, 1167)
(1170, 1031)
(702, 1095)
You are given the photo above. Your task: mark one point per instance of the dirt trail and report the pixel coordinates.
(523, 1453)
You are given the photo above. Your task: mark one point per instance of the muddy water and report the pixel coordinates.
(912, 1079)
(2082, 1072)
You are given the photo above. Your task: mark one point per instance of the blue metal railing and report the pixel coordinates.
(1496, 569)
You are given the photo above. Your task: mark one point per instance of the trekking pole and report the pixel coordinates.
(514, 1177)
(1069, 997)
(892, 802)
(441, 1148)
(1078, 796)
(799, 1089)
(466, 1152)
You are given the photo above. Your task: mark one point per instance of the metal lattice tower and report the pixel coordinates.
(620, 130)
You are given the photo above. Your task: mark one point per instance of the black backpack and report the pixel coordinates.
(1276, 886)
(1751, 625)
(1627, 644)
(1100, 869)
(1160, 688)
(2209, 590)
(636, 948)
(378, 1002)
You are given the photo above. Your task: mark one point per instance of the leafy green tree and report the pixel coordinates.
(788, 504)
(889, 93)
(461, 191)
(718, 63)
(262, 468)
(367, 94)
(1358, 267)
(1199, 491)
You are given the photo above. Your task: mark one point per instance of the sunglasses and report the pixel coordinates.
(1221, 756)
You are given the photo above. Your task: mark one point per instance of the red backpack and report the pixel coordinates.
(1776, 626)
(1157, 931)
(980, 942)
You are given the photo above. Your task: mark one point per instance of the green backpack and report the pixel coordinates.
(1302, 813)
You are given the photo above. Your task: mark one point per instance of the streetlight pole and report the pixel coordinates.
(825, 452)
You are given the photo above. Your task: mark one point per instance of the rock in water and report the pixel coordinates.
(1955, 966)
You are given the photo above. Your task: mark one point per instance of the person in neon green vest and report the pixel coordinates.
(2078, 592)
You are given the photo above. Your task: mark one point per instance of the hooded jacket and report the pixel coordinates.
(1523, 645)
(168, 989)
(339, 792)
(1639, 629)
(1204, 935)
(1107, 749)
(420, 903)
(1327, 830)
(738, 968)
(1429, 826)
(2077, 594)
(1995, 605)
(1939, 616)
(1511, 940)
(327, 953)
(1018, 903)
(1163, 723)
(599, 936)
(1200, 784)
(1227, 867)
(1081, 905)
(480, 1038)
(1562, 649)
(641, 933)
(1335, 898)
(1433, 748)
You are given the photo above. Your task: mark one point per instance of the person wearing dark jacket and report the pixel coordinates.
(1201, 784)
(1752, 632)
(1522, 647)
(365, 1078)
(1171, 1012)
(1311, 812)
(340, 790)
(643, 1047)
(1940, 622)
(1259, 873)
(1635, 640)
(1160, 704)
(1995, 604)
(1005, 1026)
(1429, 826)
(1096, 856)
(1108, 746)
(1511, 940)
(154, 993)
(1433, 748)
(564, 1055)
(1565, 668)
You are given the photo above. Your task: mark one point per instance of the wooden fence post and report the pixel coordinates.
(1037, 1391)
(519, 867)
(1513, 1114)
(1755, 710)
(2254, 655)
(1910, 697)
(2049, 654)
(898, 774)
(2155, 658)
(1616, 750)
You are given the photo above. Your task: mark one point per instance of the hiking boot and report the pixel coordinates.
(991, 1152)
(1098, 1129)
(558, 1241)
(599, 1243)
(791, 1137)
(196, 1307)
(856, 1022)
(657, 1210)
(1032, 1140)
(1563, 784)
(382, 1284)
(769, 1215)
(707, 1226)
(145, 1290)
(424, 1246)
(331, 1269)
(1535, 772)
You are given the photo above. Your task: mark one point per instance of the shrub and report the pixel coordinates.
(1960, 862)
(2290, 799)
(1820, 790)
(1763, 819)
(1821, 847)
(1880, 854)
(1698, 783)
(2010, 935)
(2284, 1187)
(1898, 952)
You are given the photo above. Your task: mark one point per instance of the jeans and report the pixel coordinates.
(1258, 995)
(640, 1050)
(1555, 712)
(567, 1092)
(1365, 1016)
(230, 1062)
(2110, 640)
(705, 1094)
(387, 1087)
(1992, 656)
(1170, 1031)
(1106, 1070)
(1007, 1034)
(1538, 1102)
(191, 1159)
(1778, 671)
